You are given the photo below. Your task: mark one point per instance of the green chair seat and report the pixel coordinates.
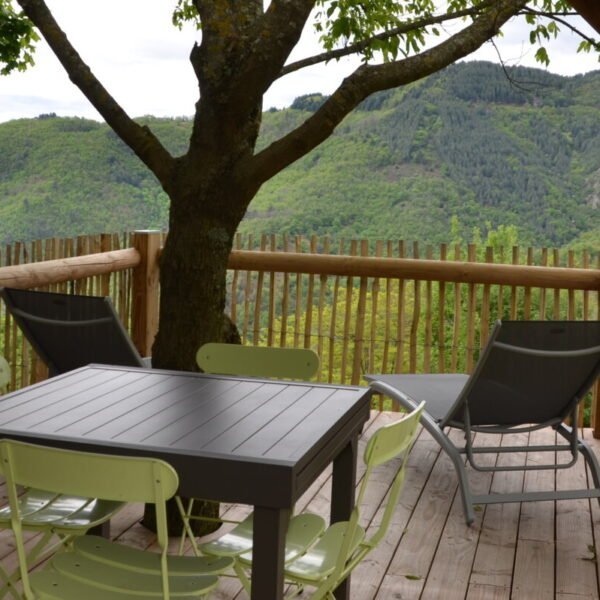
(103, 551)
(40, 510)
(320, 560)
(303, 530)
(51, 585)
(125, 577)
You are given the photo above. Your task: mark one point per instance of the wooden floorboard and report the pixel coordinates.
(530, 551)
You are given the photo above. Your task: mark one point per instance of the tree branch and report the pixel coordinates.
(557, 17)
(385, 35)
(273, 38)
(368, 79)
(140, 139)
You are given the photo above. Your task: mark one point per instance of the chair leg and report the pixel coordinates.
(35, 555)
(187, 529)
(242, 576)
(463, 484)
(7, 587)
(459, 466)
(591, 461)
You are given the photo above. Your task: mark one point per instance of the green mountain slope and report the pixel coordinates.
(464, 142)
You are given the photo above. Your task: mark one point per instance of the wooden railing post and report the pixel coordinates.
(145, 291)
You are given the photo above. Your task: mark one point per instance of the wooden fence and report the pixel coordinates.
(364, 306)
(398, 307)
(15, 264)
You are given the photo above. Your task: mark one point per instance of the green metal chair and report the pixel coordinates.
(94, 568)
(59, 518)
(264, 362)
(344, 544)
(258, 361)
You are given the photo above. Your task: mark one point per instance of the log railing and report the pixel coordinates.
(364, 306)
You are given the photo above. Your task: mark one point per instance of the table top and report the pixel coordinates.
(235, 439)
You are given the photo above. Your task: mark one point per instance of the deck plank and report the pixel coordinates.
(575, 572)
(411, 564)
(533, 577)
(494, 560)
(456, 551)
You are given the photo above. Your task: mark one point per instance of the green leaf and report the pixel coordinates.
(185, 11)
(541, 56)
(17, 39)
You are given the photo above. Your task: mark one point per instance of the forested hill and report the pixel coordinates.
(466, 142)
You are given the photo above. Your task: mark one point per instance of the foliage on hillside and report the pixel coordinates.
(465, 142)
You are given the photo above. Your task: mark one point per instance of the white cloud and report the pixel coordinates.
(143, 61)
(515, 49)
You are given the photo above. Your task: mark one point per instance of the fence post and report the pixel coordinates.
(145, 291)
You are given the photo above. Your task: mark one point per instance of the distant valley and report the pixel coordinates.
(466, 142)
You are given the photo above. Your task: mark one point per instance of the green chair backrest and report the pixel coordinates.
(73, 473)
(387, 443)
(4, 374)
(258, 361)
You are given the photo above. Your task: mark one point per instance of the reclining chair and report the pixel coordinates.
(531, 375)
(68, 331)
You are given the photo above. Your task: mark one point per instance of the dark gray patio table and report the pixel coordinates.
(240, 440)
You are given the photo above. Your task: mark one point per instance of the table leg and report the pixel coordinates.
(342, 496)
(270, 527)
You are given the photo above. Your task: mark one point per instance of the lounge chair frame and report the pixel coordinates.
(468, 388)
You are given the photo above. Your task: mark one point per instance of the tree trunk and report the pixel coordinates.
(193, 268)
(193, 271)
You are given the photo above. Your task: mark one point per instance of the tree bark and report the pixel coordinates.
(203, 221)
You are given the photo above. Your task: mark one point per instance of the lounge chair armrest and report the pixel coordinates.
(392, 392)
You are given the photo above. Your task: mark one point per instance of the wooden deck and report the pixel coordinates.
(533, 551)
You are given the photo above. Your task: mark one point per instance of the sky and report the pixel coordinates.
(142, 60)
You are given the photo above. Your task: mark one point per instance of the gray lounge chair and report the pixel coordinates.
(531, 375)
(69, 331)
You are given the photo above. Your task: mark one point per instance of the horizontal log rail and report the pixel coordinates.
(67, 269)
(411, 268)
(51, 272)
